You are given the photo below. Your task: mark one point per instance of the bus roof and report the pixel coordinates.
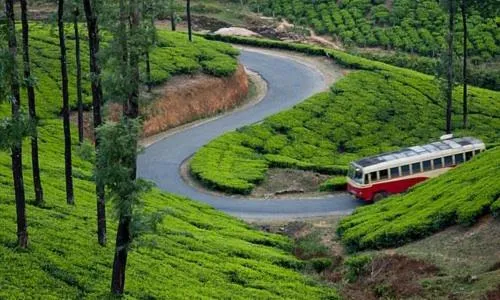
(416, 153)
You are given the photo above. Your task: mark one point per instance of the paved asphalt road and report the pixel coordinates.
(289, 82)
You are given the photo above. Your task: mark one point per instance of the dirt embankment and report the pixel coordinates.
(187, 98)
(181, 100)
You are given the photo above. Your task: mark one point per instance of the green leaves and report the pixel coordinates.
(14, 130)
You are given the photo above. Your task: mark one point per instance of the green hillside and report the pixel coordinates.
(411, 26)
(173, 55)
(460, 196)
(415, 30)
(197, 252)
(375, 109)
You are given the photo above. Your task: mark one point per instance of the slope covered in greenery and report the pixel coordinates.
(416, 30)
(411, 26)
(197, 251)
(173, 55)
(460, 196)
(378, 108)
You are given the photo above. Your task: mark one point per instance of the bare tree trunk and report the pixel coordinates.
(131, 112)
(95, 70)
(172, 15)
(465, 75)
(35, 163)
(65, 110)
(450, 77)
(148, 71)
(76, 14)
(188, 12)
(16, 148)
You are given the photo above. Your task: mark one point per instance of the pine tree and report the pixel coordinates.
(16, 145)
(65, 110)
(91, 15)
(29, 82)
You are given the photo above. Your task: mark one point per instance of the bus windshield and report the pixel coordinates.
(355, 174)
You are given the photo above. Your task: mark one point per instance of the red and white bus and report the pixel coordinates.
(373, 178)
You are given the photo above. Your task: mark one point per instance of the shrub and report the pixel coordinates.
(338, 183)
(355, 266)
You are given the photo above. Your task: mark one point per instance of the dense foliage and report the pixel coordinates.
(197, 252)
(459, 196)
(379, 108)
(411, 26)
(415, 27)
(173, 55)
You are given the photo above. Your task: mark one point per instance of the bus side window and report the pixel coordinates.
(394, 172)
(416, 168)
(448, 161)
(373, 176)
(459, 158)
(427, 165)
(384, 174)
(468, 155)
(366, 179)
(405, 170)
(438, 163)
(477, 152)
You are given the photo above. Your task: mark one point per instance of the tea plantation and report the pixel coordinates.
(197, 251)
(377, 108)
(173, 55)
(459, 196)
(415, 29)
(405, 25)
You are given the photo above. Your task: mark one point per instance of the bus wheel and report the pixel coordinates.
(379, 196)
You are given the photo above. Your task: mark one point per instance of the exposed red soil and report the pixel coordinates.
(391, 276)
(183, 99)
(188, 98)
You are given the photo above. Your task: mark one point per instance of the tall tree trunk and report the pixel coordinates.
(16, 148)
(188, 12)
(76, 14)
(173, 24)
(465, 75)
(95, 70)
(121, 254)
(35, 164)
(65, 109)
(131, 112)
(449, 73)
(148, 71)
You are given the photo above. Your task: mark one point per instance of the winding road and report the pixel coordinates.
(289, 82)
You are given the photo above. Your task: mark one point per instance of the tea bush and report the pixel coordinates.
(338, 183)
(198, 252)
(173, 55)
(460, 196)
(377, 108)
